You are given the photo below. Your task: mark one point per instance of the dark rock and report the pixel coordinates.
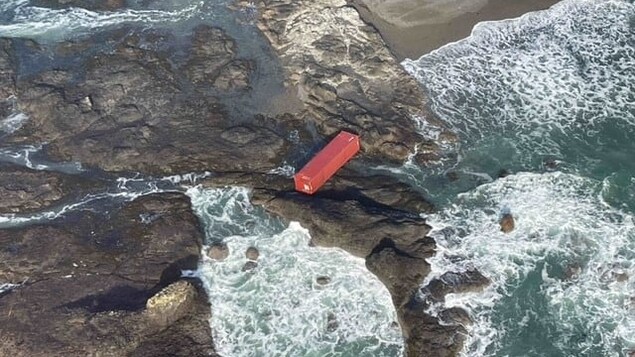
(336, 220)
(249, 266)
(455, 316)
(323, 280)
(398, 270)
(87, 282)
(7, 69)
(572, 271)
(24, 190)
(252, 253)
(455, 283)
(423, 333)
(213, 61)
(503, 173)
(452, 176)
(507, 223)
(93, 5)
(218, 251)
(331, 322)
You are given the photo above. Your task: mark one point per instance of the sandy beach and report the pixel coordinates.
(412, 28)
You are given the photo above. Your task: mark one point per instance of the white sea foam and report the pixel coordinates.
(278, 309)
(285, 170)
(31, 21)
(13, 122)
(562, 224)
(564, 72)
(7, 287)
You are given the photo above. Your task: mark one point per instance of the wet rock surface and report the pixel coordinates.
(86, 282)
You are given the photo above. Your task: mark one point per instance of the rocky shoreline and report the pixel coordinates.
(108, 282)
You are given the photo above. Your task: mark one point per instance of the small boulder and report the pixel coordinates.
(249, 266)
(218, 251)
(620, 276)
(252, 253)
(323, 280)
(507, 223)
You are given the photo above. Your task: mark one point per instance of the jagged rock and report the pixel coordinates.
(507, 223)
(249, 266)
(24, 190)
(90, 279)
(7, 69)
(252, 253)
(455, 283)
(93, 5)
(400, 271)
(331, 322)
(338, 220)
(424, 335)
(454, 316)
(323, 280)
(218, 251)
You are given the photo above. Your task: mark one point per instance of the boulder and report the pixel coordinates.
(252, 253)
(507, 223)
(219, 251)
(24, 190)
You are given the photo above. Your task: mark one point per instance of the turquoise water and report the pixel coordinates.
(549, 100)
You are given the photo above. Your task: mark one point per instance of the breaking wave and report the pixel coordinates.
(278, 308)
(24, 20)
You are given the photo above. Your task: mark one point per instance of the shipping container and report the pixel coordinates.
(326, 163)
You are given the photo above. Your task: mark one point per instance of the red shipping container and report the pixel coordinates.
(326, 163)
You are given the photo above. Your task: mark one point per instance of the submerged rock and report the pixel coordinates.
(218, 251)
(323, 280)
(507, 223)
(331, 322)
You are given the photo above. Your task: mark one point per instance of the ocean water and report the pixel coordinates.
(545, 108)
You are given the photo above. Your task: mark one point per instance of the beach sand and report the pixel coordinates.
(412, 28)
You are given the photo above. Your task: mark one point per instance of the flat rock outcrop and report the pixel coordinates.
(134, 110)
(92, 286)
